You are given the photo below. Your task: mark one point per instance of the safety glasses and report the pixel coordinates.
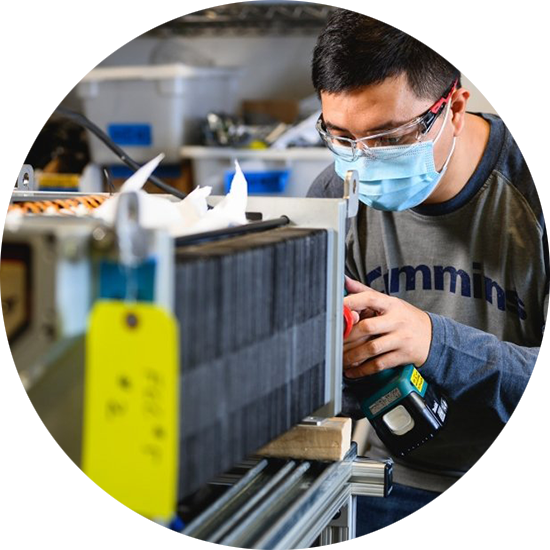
(400, 138)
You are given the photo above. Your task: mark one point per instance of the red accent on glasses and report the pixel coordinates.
(445, 99)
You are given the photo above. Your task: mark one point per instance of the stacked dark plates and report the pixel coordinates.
(252, 317)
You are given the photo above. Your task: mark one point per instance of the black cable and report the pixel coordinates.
(81, 120)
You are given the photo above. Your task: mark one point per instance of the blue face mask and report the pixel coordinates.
(399, 177)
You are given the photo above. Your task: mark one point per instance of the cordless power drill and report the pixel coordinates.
(404, 410)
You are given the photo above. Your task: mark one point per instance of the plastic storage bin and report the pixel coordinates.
(302, 165)
(267, 182)
(149, 110)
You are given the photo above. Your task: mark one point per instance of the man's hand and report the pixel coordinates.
(390, 332)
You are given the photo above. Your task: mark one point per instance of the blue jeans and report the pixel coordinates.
(374, 513)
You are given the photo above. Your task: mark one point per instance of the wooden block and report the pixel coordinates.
(330, 440)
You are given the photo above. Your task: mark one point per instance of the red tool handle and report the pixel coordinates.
(348, 321)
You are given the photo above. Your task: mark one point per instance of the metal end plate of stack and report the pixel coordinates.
(252, 316)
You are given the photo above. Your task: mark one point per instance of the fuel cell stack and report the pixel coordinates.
(252, 316)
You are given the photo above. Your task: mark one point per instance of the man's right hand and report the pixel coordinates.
(390, 332)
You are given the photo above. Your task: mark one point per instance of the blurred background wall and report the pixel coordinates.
(275, 58)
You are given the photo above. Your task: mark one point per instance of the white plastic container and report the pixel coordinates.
(209, 165)
(154, 109)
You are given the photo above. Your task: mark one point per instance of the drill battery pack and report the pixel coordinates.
(404, 410)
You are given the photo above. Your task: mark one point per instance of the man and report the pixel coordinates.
(447, 258)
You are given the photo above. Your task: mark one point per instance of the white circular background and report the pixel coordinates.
(47, 47)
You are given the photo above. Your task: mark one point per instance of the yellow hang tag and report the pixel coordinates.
(130, 439)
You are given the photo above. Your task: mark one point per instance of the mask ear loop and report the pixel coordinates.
(444, 122)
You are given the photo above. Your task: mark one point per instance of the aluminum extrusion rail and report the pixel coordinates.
(290, 504)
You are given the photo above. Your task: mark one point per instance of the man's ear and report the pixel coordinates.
(459, 101)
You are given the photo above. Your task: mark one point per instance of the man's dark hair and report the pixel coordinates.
(354, 51)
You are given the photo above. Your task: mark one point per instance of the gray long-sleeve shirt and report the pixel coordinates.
(478, 264)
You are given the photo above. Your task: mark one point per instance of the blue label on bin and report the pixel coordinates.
(131, 134)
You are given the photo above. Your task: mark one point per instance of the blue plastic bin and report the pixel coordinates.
(266, 182)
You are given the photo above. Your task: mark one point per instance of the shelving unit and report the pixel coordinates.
(250, 18)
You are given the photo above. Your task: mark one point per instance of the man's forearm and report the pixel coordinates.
(471, 365)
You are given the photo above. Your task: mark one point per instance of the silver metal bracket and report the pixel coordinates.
(313, 421)
(343, 526)
(351, 192)
(25, 180)
(132, 238)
